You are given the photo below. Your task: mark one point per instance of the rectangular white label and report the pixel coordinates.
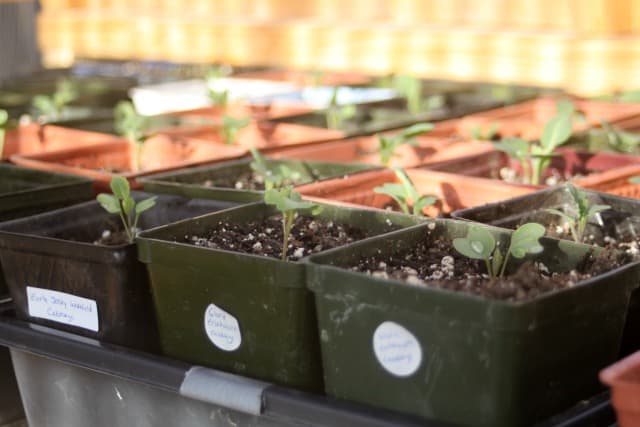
(63, 308)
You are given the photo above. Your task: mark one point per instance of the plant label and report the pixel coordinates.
(63, 308)
(222, 328)
(397, 349)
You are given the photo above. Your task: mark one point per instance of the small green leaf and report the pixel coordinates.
(567, 217)
(120, 187)
(145, 204)
(526, 240)
(4, 118)
(516, 148)
(416, 130)
(478, 244)
(597, 209)
(556, 132)
(565, 107)
(109, 203)
(128, 205)
(634, 180)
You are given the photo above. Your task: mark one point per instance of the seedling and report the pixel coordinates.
(478, 133)
(218, 97)
(584, 210)
(405, 194)
(231, 126)
(288, 202)
(480, 244)
(272, 178)
(619, 140)
(121, 202)
(387, 145)
(336, 114)
(536, 156)
(133, 126)
(4, 124)
(568, 108)
(53, 106)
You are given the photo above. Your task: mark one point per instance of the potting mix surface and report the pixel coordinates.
(435, 263)
(308, 236)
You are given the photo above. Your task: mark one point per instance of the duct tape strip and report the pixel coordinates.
(223, 389)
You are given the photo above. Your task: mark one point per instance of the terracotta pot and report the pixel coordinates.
(453, 191)
(36, 138)
(602, 171)
(527, 119)
(624, 379)
(363, 150)
(258, 112)
(102, 161)
(307, 78)
(267, 136)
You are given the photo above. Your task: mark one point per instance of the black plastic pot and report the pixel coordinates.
(269, 311)
(25, 192)
(104, 289)
(464, 359)
(191, 182)
(622, 222)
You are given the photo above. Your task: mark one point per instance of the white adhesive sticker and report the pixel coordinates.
(397, 349)
(222, 328)
(63, 308)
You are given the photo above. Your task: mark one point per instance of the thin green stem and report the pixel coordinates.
(2, 136)
(287, 223)
(505, 261)
(489, 269)
(125, 223)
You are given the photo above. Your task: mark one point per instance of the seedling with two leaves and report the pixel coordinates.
(288, 202)
(219, 97)
(231, 126)
(273, 178)
(411, 88)
(535, 157)
(480, 244)
(336, 115)
(121, 203)
(584, 211)
(387, 145)
(52, 107)
(132, 126)
(406, 194)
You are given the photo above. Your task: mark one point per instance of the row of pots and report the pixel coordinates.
(489, 348)
(266, 318)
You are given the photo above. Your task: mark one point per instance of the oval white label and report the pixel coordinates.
(397, 349)
(222, 328)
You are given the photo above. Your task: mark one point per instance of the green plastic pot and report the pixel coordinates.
(189, 182)
(460, 358)
(270, 311)
(105, 288)
(622, 222)
(25, 192)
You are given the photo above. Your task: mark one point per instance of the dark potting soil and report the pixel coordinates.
(308, 236)
(434, 263)
(109, 233)
(245, 181)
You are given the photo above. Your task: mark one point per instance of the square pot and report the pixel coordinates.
(267, 313)
(621, 222)
(102, 161)
(461, 358)
(453, 191)
(429, 149)
(603, 171)
(192, 182)
(59, 278)
(527, 119)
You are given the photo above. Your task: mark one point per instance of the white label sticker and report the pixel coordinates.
(222, 328)
(397, 349)
(63, 308)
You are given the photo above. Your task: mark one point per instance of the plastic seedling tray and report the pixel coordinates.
(134, 388)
